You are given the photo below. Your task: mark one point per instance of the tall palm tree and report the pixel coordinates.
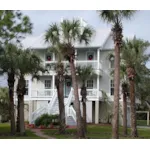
(134, 58)
(72, 32)
(52, 37)
(27, 63)
(84, 74)
(115, 17)
(8, 65)
(69, 33)
(124, 86)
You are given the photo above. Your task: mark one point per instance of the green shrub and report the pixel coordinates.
(46, 120)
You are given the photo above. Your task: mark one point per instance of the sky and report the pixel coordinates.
(138, 25)
(41, 19)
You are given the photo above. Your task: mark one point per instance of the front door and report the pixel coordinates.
(67, 86)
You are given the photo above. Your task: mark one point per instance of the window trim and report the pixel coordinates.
(92, 83)
(91, 53)
(50, 55)
(46, 87)
(110, 63)
(111, 87)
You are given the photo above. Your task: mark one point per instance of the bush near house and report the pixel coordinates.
(46, 120)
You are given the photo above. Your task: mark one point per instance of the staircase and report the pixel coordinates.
(53, 109)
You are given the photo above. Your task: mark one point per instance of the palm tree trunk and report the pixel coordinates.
(124, 114)
(115, 119)
(84, 116)
(22, 123)
(20, 93)
(11, 81)
(133, 109)
(18, 117)
(80, 131)
(60, 93)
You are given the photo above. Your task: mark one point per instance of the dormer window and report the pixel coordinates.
(90, 56)
(48, 57)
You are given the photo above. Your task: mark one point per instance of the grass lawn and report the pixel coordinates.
(141, 122)
(5, 133)
(96, 132)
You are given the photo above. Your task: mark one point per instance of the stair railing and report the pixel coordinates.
(39, 112)
(54, 98)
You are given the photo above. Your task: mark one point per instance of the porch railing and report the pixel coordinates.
(91, 93)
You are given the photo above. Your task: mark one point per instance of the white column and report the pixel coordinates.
(53, 56)
(30, 100)
(98, 88)
(53, 83)
(96, 112)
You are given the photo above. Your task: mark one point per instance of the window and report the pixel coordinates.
(47, 84)
(89, 84)
(48, 57)
(112, 61)
(90, 56)
(27, 87)
(112, 87)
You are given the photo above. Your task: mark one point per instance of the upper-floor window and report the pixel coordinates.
(47, 84)
(111, 87)
(90, 84)
(48, 57)
(112, 61)
(90, 55)
(27, 87)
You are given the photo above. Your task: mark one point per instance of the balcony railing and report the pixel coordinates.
(42, 93)
(93, 63)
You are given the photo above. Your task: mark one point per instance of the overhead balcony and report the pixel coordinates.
(50, 65)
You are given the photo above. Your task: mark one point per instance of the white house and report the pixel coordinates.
(41, 96)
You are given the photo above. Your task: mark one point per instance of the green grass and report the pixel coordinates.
(5, 133)
(97, 132)
(142, 122)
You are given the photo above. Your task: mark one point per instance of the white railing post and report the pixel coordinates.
(148, 118)
(98, 59)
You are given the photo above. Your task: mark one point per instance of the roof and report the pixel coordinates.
(98, 40)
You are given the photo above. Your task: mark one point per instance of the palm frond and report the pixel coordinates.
(86, 35)
(52, 35)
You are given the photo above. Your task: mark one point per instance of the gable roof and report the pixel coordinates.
(100, 39)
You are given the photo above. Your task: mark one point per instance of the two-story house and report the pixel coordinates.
(41, 95)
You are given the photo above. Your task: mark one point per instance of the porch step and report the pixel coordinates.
(70, 121)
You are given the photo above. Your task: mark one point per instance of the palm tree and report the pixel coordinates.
(124, 86)
(8, 65)
(115, 18)
(125, 92)
(4, 104)
(134, 58)
(52, 37)
(84, 74)
(68, 34)
(72, 32)
(27, 63)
